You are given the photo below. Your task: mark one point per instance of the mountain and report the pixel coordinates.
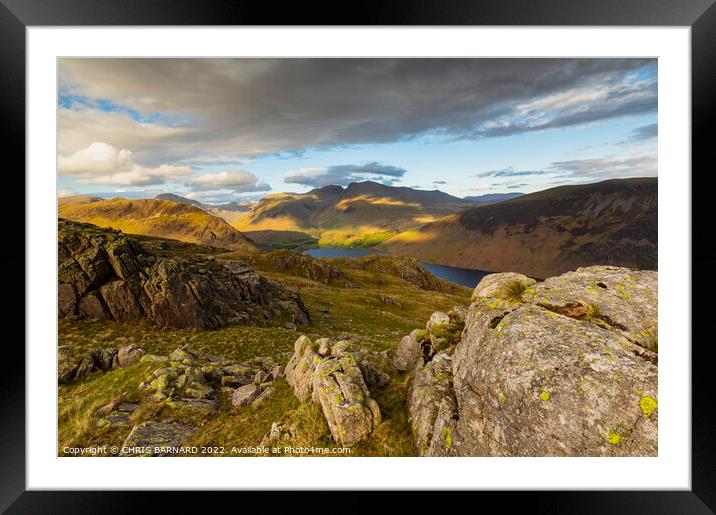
(491, 198)
(363, 214)
(156, 217)
(229, 212)
(545, 233)
(181, 200)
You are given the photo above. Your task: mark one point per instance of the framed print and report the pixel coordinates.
(436, 249)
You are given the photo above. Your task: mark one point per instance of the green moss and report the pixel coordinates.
(648, 405)
(446, 436)
(422, 336)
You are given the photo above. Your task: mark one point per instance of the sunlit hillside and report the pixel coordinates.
(361, 215)
(153, 217)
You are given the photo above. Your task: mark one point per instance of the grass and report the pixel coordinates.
(514, 290)
(338, 310)
(78, 402)
(594, 313)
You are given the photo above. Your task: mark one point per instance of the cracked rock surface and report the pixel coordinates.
(564, 367)
(104, 274)
(328, 373)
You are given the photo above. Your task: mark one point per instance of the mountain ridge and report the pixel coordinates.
(545, 233)
(362, 214)
(156, 217)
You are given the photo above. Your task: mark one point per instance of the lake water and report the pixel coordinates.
(465, 276)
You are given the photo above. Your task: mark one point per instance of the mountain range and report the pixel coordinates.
(230, 211)
(538, 234)
(546, 233)
(360, 215)
(492, 198)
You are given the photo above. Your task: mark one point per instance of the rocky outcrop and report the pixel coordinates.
(301, 265)
(72, 365)
(194, 380)
(441, 333)
(327, 373)
(564, 367)
(103, 274)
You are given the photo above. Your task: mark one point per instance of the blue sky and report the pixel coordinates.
(223, 130)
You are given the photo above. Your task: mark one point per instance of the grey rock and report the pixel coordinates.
(129, 355)
(156, 437)
(105, 275)
(544, 375)
(245, 395)
(432, 406)
(336, 383)
(437, 319)
(373, 377)
(407, 353)
(324, 346)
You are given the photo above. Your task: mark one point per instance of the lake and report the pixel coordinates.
(464, 276)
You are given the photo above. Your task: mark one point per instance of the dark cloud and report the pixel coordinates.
(250, 107)
(439, 182)
(343, 175)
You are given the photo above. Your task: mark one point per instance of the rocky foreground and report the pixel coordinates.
(105, 275)
(565, 367)
(562, 367)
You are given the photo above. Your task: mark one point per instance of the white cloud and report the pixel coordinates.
(66, 192)
(239, 181)
(101, 163)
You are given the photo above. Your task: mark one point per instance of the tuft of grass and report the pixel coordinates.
(514, 290)
(593, 312)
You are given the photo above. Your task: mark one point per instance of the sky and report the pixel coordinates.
(222, 130)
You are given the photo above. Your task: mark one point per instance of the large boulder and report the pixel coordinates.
(103, 274)
(334, 381)
(408, 352)
(564, 367)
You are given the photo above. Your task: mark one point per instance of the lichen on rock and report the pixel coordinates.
(555, 368)
(328, 373)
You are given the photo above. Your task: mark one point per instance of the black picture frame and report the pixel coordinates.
(700, 15)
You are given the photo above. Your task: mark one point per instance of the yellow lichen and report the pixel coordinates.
(544, 395)
(614, 438)
(648, 405)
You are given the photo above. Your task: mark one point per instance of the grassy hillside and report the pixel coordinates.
(362, 215)
(156, 217)
(546, 233)
(372, 304)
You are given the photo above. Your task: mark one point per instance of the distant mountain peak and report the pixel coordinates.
(179, 199)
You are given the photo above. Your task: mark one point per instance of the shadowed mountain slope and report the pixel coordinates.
(546, 233)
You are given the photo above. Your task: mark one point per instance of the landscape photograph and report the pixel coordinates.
(357, 257)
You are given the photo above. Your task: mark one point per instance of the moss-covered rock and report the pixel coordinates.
(557, 372)
(334, 380)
